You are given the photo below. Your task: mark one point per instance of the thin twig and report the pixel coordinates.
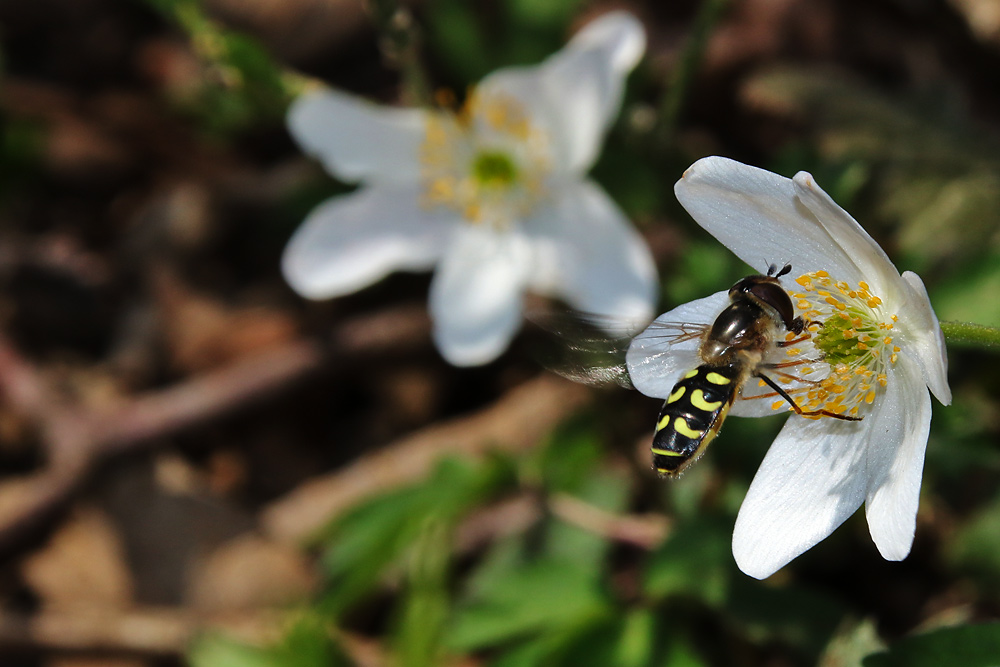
(74, 437)
(644, 531)
(515, 422)
(154, 631)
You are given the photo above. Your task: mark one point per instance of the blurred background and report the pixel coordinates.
(199, 467)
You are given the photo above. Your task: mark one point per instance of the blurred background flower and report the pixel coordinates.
(494, 194)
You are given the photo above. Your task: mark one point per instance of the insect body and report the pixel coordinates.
(733, 349)
(692, 415)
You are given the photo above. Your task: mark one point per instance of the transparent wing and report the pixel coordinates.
(668, 347)
(585, 347)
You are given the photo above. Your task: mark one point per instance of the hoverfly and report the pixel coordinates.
(703, 369)
(737, 346)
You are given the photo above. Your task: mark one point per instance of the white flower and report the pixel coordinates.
(874, 350)
(495, 196)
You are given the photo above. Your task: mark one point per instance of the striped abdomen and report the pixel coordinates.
(692, 415)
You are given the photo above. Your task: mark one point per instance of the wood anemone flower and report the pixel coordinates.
(494, 195)
(874, 349)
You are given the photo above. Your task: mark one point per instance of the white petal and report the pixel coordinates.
(768, 219)
(476, 295)
(588, 253)
(896, 460)
(353, 240)
(749, 406)
(356, 139)
(656, 360)
(813, 477)
(924, 338)
(575, 94)
(871, 261)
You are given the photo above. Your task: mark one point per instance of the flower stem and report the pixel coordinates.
(687, 66)
(967, 334)
(400, 45)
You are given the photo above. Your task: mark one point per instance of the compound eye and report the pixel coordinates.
(772, 294)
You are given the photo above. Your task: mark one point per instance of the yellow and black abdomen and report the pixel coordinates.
(692, 415)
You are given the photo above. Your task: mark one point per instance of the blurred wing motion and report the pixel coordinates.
(591, 349)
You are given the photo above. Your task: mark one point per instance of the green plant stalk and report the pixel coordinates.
(687, 66)
(400, 45)
(967, 334)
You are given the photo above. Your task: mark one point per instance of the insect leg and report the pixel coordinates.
(786, 343)
(795, 406)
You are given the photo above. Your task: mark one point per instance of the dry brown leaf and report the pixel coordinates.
(96, 662)
(204, 334)
(250, 572)
(82, 565)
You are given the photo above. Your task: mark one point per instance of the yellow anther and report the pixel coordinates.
(863, 285)
(823, 274)
(870, 398)
(777, 405)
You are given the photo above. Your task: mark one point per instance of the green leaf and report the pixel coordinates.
(636, 639)
(695, 560)
(219, 651)
(459, 40)
(426, 602)
(364, 544)
(570, 543)
(703, 268)
(553, 14)
(518, 600)
(968, 646)
(305, 644)
(976, 545)
(570, 456)
(619, 639)
(802, 617)
(240, 84)
(851, 644)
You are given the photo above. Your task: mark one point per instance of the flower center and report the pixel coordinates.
(494, 169)
(852, 336)
(488, 161)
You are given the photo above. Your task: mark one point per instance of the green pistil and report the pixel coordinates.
(494, 169)
(837, 347)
